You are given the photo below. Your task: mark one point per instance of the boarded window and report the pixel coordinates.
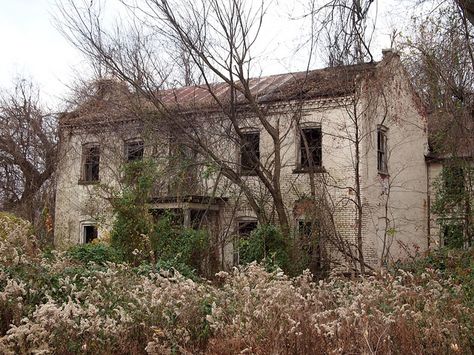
(89, 233)
(91, 160)
(382, 150)
(250, 153)
(134, 150)
(310, 147)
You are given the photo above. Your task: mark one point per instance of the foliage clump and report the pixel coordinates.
(95, 252)
(266, 245)
(59, 305)
(139, 236)
(454, 203)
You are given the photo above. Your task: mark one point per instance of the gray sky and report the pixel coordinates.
(33, 48)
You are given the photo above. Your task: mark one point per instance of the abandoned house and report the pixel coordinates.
(335, 153)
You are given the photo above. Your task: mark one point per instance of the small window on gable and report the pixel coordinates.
(249, 153)
(134, 150)
(89, 232)
(90, 162)
(310, 149)
(244, 229)
(382, 150)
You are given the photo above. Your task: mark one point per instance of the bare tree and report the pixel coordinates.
(345, 28)
(28, 146)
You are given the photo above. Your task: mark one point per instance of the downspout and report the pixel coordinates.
(428, 201)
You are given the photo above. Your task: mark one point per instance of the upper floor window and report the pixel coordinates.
(249, 153)
(310, 148)
(90, 162)
(382, 150)
(134, 150)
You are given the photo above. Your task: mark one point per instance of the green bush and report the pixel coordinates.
(266, 244)
(133, 222)
(180, 246)
(97, 253)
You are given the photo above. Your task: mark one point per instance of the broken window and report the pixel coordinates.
(382, 150)
(89, 233)
(90, 161)
(244, 229)
(134, 150)
(249, 153)
(310, 148)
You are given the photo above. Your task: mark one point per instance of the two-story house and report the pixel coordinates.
(335, 153)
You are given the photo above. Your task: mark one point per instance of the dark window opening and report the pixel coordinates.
(310, 148)
(310, 241)
(175, 216)
(90, 233)
(453, 236)
(91, 162)
(454, 180)
(382, 150)
(244, 229)
(250, 153)
(134, 151)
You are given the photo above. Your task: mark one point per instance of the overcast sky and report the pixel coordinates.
(33, 48)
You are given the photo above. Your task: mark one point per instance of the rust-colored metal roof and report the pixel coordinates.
(114, 102)
(328, 82)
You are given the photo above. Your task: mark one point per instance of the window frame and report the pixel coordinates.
(127, 145)
(85, 156)
(249, 171)
(300, 168)
(82, 235)
(238, 236)
(451, 224)
(382, 150)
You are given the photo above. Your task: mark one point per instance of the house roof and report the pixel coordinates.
(113, 101)
(319, 83)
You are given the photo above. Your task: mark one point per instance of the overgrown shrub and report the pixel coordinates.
(16, 239)
(133, 222)
(140, 237)
(95, 252)
(266, 244)
(180, 246)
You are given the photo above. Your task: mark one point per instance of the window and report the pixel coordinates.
(244, 229)
(310, 150)
(90, 162)
(310, 242)
(453, 236)
(382, 150)
(453, 177)
(249, 153)
(89, 232)
(134, 150)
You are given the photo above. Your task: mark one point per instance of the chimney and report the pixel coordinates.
(388, 53)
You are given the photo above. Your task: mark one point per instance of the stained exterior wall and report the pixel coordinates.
(396, 214)
(406, 185)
